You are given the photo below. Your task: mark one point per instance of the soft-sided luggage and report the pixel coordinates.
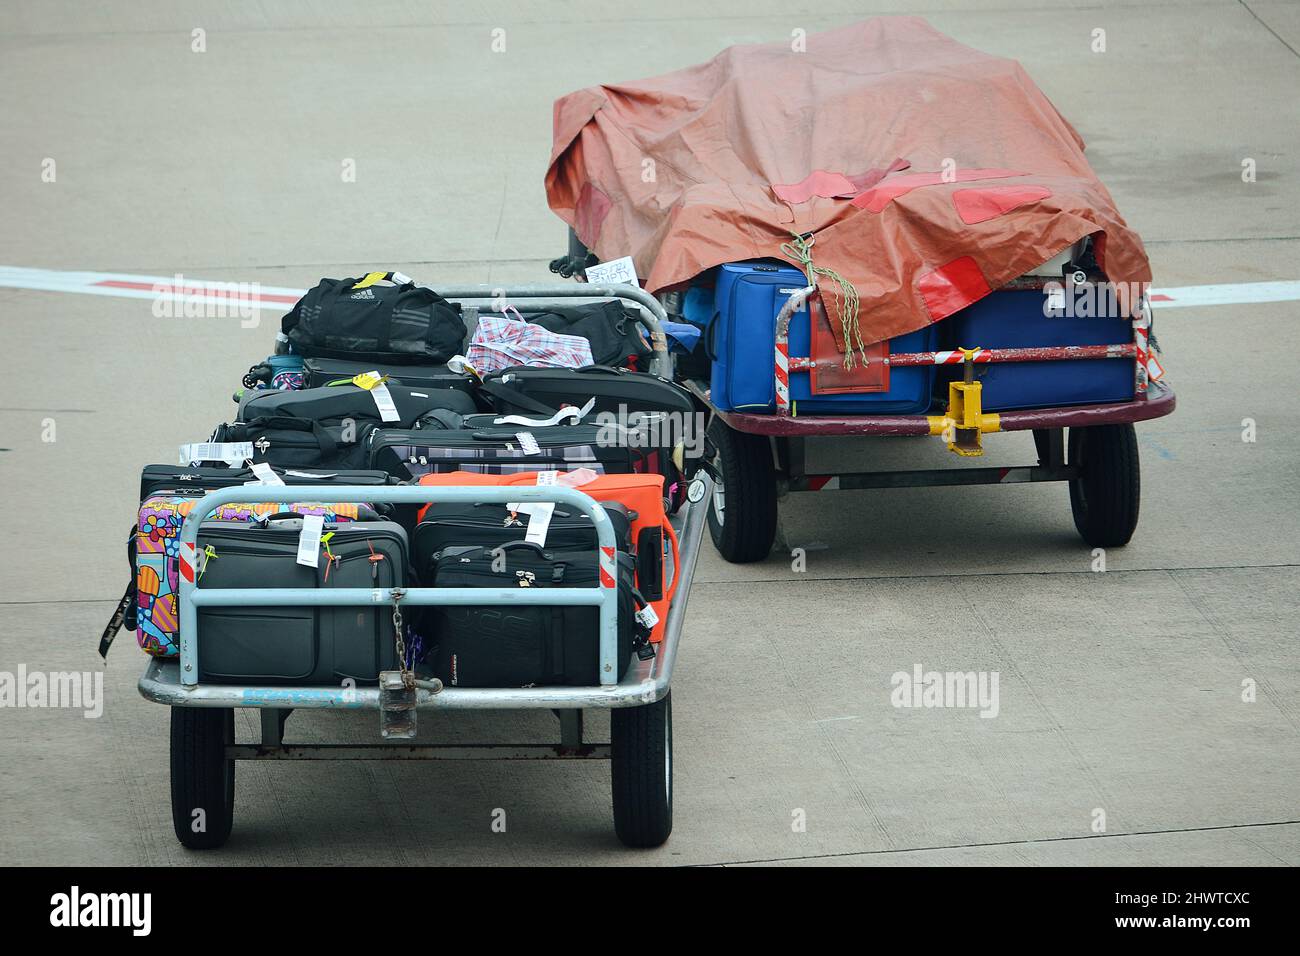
(641, 497)
(542, 391)
(278, 371)
(490, 526)
(500, 449)
(660, 415)
(288, 442)
(611, 327)
(366, 321)
(522, 645)
(157, 549)
(653, 538)
(299, 645)
(742, 344)
(1021, 318)
(318, 372)
(193, 481)
(334, 403)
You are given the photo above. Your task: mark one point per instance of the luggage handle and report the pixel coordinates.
(533, 545)
(671, 587)
(399, 279)
(328, 446)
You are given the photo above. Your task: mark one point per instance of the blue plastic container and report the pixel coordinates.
(1017, 319)
(742, 342)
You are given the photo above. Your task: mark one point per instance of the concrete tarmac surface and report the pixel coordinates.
(1119, 692)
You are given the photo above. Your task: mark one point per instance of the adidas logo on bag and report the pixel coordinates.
(363, 294)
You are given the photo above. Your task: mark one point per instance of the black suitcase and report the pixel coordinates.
(318, 372)
(301, 442)
(299, 645)
(496, 449)
(334, 403)
(455, 525)
(183, 480)
(519, 645)
(542, 391)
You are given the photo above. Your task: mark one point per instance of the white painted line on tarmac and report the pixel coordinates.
(181, 289)
(1239, 293)
(177, 289)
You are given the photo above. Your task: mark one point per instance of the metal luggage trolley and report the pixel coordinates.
(757, 458)
(203, 744)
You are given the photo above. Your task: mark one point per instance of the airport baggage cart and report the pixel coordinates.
(204, 746)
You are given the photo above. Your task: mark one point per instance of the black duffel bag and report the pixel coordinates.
(362, 320)
(612, 329)
(340, 402)
(301, 442)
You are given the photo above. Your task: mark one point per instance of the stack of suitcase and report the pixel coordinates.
(435, 426)
(736, 305)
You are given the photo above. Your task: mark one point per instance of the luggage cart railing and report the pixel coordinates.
(176, 682)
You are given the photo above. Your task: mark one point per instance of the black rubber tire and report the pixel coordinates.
(1106, 496)
(202, 776)
(641, 770)
(747, 480)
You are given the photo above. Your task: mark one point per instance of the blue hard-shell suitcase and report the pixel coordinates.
(1017, 318)
(742, 342)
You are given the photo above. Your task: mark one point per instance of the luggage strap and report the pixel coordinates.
(126, 607)
(117, 620)
(495, 388)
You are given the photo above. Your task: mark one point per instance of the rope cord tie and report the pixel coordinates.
(846, 298)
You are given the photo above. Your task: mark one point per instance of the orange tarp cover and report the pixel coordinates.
(928, 173)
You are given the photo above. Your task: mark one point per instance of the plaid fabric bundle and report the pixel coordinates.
(502, 342)
(423, 460)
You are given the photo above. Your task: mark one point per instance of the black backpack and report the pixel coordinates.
(399, 324)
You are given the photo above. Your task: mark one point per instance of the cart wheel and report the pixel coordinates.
(203, 778)
(641, 768)
(1105, 497)
(742, 515)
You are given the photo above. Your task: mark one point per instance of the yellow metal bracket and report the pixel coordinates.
(965, 422)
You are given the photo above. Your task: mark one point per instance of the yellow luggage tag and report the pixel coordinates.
(370, 279)
(373, 383)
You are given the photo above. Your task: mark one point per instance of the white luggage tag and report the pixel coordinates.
(569, 411)
(373, 383)
(539, 519)
(264, 474)
(309, 540)
(233, 453)
(648, 617)
(613, 272)
(570, 479)
(528, 443)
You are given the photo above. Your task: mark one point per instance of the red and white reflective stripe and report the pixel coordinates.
(187, 561)
(782, 374)
(1141, 331)
(957, 357)
(823, 482)
(607, 569)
